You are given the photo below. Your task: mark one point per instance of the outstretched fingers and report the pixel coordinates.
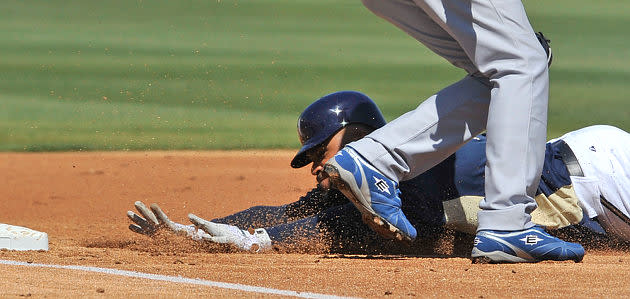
(162, 219)
(148, 215)
(141, 225)
(213, 229)
(197, 221)
(137, 229)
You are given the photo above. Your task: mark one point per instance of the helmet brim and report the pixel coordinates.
(301, 159)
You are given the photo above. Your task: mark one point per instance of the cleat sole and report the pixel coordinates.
(481, 260)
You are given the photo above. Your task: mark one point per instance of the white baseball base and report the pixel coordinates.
(21, 238)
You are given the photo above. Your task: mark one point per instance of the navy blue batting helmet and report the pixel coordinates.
(326, 116)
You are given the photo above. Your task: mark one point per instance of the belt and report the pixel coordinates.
(611, 207)
(568, 157)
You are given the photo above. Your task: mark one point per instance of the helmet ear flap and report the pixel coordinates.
(324, 117)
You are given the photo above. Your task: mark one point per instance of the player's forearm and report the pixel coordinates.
(315, 201)
(258, 216)
(336, 229)
(293, 232)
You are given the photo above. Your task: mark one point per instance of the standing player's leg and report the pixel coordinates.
(499, 40)
(496, 42)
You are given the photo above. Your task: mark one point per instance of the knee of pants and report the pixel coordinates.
(537, 61)
(528, 58)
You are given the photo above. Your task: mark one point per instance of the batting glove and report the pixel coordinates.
(254, 240)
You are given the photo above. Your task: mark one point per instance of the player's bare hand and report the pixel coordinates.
(254, 240)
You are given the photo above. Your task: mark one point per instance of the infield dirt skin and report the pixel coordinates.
(80, 200)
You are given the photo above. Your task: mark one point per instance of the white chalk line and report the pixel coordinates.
(176, 279)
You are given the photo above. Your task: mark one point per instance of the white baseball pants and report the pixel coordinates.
(604, 156)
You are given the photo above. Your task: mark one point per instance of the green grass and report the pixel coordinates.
(135, 75)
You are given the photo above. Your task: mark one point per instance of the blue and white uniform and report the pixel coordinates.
(593, 197)
(603, 153)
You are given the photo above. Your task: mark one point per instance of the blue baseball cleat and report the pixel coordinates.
(375, 195)
(523, 246)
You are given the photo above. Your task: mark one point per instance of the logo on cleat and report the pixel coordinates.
(531, 240)
(477, 241)
(381, 185)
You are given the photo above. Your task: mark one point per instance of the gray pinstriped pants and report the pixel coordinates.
(505, 93)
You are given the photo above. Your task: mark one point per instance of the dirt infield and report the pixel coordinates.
(80, 200)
